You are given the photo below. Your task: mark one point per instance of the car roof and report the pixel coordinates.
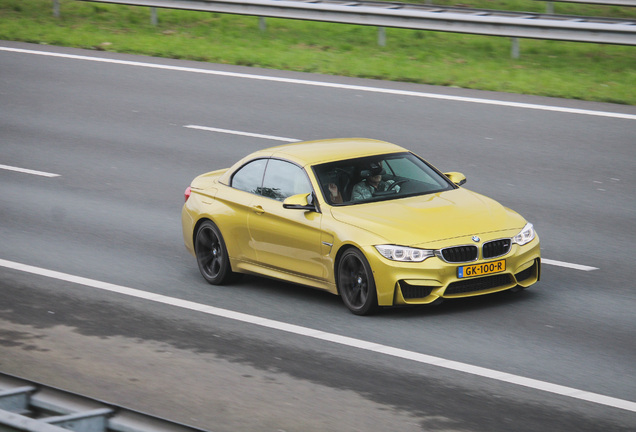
(307, 153)
(328, 150)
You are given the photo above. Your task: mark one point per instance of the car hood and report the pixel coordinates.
(426, 219)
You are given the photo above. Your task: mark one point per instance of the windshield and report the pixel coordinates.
(383, 177)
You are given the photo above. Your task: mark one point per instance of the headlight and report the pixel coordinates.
(403, 253)
(526, 235)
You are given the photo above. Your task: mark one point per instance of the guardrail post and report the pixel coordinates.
(56, 8)
(381, 36)
(549, 7)
(262, 25)
(153, 16)
(515, 48)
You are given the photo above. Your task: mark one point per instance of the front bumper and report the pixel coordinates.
(400, 283)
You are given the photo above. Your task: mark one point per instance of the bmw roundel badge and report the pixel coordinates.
(476, 239)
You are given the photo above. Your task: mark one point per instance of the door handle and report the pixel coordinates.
(258, 209)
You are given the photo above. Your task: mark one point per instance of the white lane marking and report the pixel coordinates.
(332, 85)
(249, 134)
(334, 338)
(567, 264)
(28, 171)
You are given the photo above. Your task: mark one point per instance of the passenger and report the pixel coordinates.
(371, 184)
(329, 180)
(335, 195)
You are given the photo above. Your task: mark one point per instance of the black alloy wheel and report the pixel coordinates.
(356, 284)
(211, 253)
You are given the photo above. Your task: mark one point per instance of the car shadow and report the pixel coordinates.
(504, 299)
(281, 289)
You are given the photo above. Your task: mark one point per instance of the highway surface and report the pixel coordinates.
(98, 295)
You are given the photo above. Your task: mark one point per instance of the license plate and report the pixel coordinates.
(481, 269)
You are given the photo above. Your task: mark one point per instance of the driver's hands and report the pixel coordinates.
(393, 186)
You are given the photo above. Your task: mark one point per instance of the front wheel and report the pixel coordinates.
(211, 253)
(356, 284)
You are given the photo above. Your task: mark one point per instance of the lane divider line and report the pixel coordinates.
(333, 338)
(249, 134)
(28, 171)
(568, 265)
(331, 85)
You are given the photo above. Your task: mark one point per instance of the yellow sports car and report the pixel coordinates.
(361, 218)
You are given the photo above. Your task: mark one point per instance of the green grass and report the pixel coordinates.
(592, 72)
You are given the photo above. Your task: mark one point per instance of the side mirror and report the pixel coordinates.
(456, 177)
(300, 202)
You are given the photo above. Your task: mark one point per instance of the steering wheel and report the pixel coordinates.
(396, 184)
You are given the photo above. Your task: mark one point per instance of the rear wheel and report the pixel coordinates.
(356, 284)
(211, 254)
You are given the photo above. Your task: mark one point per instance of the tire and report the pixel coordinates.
(356, 284)
(211, 253)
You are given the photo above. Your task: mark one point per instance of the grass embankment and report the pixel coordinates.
(592, 72)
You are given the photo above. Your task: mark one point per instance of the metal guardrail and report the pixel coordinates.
(421, 17)
(32, 407)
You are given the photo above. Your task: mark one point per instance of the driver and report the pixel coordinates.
(372, 183)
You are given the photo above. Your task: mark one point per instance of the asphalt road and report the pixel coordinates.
(114, 130)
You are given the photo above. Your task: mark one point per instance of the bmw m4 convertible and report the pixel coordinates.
(364, 219)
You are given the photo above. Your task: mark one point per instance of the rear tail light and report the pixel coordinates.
(187, 193)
